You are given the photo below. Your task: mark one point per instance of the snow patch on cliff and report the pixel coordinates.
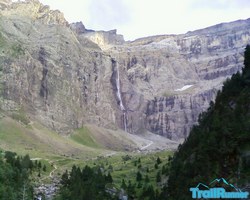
(185, 87)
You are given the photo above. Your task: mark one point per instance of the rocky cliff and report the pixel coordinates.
(176, 76)
(65, 76)
(58, 78)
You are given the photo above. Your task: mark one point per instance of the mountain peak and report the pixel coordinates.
(32, 9)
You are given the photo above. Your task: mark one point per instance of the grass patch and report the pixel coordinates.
(168, 94)
(83, 136)
(17, 50)
(2, 40)
(20, 116)
(10, 48)
(38, 141)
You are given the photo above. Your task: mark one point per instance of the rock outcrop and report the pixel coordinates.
(65, 76)
(105, 39)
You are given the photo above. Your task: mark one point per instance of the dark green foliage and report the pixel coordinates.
(158, 161)
(65, 179)
(109, 178)
(147, 179)
(126, 158)
(165, 169)
(88, 183)
(140, 179)
(123, 185)
(220, 144)
(138, 176)
(27, 163)
(131, 190)
(35, 164)
(39, 165)
(156, 166)
(10, 157)
(148, 193)
(158, 177)
(14, 177)
(110, 168)
(44, 168)
(139, 185)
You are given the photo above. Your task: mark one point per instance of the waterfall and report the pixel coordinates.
(125, 121)
(118, 93)
(119, 89)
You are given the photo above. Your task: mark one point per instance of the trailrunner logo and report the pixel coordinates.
(217, 192)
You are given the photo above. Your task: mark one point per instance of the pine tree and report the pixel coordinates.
(109, 178)
(158, 160)
(131, 190)
(123, 185)
(39, 165)
(138, 176)
(156, 166)
(158, 177)
(65, 179)
(44, 168)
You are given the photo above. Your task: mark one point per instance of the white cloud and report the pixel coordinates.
(74, 10)
(221, 4)
(139, 18)
(108, 13)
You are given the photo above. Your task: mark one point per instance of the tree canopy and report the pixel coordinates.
(219, 146)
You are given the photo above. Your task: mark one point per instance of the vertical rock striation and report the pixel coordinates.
(115, 81)
(158, 67)
(65, 76)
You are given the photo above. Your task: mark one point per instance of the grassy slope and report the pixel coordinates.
(83, 136)
(40, 142)
(81, 148)
(86, 143)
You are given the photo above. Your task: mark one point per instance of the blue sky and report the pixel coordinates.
(140, 18)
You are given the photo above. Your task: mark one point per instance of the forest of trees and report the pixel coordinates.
(219, 146)
(14, 177)
(97, 183)
(88, 183)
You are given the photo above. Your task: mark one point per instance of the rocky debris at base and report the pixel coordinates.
(47, 190)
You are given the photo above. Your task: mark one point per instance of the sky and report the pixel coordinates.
(140, 18)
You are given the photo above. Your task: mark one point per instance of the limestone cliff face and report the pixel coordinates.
(174, 116)
(104, 39)
(65, 76)
(176, 76)
(58, 79)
